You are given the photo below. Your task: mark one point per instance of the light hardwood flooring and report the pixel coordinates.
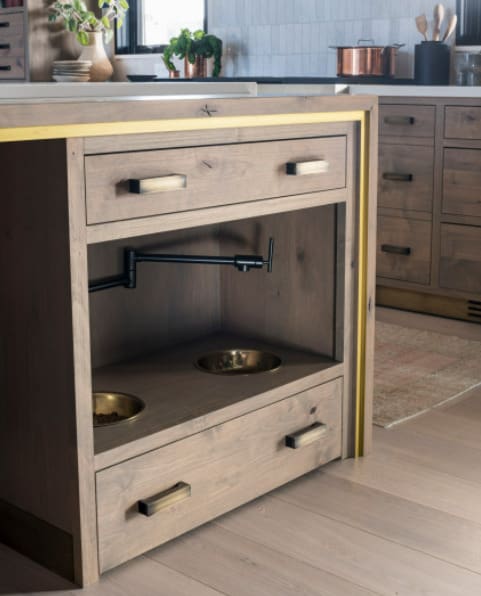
(405, 521)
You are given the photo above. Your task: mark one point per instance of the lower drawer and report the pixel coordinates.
(213, 472)
(404, 249)
(460, 261)
(12, 68)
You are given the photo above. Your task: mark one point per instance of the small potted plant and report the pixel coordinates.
(195, 48)
(91, 30)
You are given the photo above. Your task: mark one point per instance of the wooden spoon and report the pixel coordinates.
(422, 25)
(438, 19)
(451, 27)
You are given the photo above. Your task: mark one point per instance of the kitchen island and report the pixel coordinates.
(137, 261)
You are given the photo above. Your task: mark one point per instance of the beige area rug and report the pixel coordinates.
(417, 370)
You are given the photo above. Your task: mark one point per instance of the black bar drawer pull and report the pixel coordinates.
(400, 120)
(395, 177)
(4, 46)
(396, 250)
(175, 494)
(7, 67)
(4, 24)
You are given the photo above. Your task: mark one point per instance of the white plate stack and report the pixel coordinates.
(71, 71)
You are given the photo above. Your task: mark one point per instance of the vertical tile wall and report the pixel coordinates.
(292, 37)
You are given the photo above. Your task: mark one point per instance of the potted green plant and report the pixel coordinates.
(194, 47)
(91, 30)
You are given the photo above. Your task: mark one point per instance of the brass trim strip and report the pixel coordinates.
(59, 131)
(100, 129)
(362, 287)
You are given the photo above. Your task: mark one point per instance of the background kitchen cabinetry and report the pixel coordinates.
(429, 218)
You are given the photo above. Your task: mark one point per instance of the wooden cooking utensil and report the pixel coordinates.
(451, 27)
(422, 25)
(438, 19)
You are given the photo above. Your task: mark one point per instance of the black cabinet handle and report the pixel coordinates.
(4, 24)
(7, 67)
(396, 250)
(400, 120)
(4, 46)
(395, 177)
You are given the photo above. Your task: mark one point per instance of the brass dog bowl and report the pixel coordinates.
(238, 362)
(112, 408)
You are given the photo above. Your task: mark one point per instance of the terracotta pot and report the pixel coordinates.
(198, 70)
(101, 68)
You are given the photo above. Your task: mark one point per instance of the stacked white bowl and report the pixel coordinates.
(71, 71)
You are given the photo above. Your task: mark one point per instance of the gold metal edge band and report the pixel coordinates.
(100, 129)
(362, 287)
(60, 131)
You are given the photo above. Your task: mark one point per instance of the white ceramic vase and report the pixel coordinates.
(101, 69)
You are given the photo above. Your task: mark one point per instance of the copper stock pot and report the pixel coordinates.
(366, 60)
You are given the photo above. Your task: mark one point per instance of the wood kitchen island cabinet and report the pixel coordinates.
(429, 226)
(211, 178)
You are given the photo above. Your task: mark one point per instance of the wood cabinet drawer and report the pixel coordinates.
(462, 122)
(460, 261)
(200, 177)
(11, 25)
(224, 467)
(404, 249)
(406, 176)
(12, 68)
(407, 121)
(462, 182)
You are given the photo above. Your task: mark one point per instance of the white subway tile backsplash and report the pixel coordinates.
(292, 37)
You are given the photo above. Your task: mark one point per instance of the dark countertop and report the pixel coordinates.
(288, 80)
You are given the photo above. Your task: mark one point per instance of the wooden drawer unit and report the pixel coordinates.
(406, 177)
(139, 184)
(404, 249)
(212, 472)
(462, 182)
(462, 122)
(460, 261)
(407, 121)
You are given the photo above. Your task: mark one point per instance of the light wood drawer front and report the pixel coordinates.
(209, 176)
(404, 249)
(406, 177)
(460, 264)
(462, 182)
(224, 466)
(11, 25)
(12, 68)
(462, 122)
(12, 47)
(407, 121)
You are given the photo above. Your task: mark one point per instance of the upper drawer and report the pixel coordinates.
(462, 182)
(207, 474)
(407, 121)
(197, 177)
(11, 25)
(406, 176)
(462, 122)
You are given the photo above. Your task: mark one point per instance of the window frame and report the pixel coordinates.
(126, 38)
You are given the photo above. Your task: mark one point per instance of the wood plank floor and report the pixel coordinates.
(405, 521)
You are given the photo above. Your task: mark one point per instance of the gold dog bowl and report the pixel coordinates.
(238, 362)
(112, 408)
